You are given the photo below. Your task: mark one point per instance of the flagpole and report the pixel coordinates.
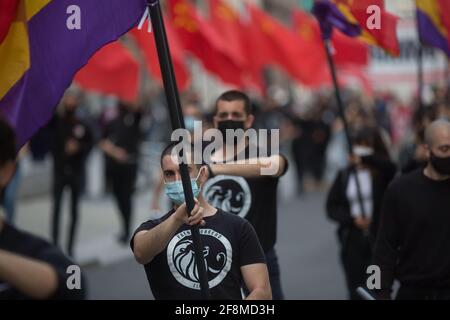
(176, 117)
(327, 45)
(420, 76)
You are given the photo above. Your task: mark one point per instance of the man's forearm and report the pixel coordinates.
(251, 168)
(259, 294)
(148, 244)
(31, 277)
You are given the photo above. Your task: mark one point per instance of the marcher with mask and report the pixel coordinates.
(121, 143)
(232, 251)
(355, 231)
(30, 267)
(240, 186)
(413, 241)
(192, 118)
(71, 142)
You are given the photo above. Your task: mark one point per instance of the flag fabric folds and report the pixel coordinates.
(273, 43)
(112, 70)
(40, 62)
(346, 50)
(433, 23)
(146, 43)
(8, 10)
(351, 18)
(199, 38)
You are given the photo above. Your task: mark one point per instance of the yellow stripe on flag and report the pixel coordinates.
(15, 50)
(345, 10)
(34, 6)
(431, 9)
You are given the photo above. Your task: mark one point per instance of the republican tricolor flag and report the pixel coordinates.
(354, 18)
(40, 52)
(433, 23)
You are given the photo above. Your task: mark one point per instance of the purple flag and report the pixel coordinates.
(329, 16)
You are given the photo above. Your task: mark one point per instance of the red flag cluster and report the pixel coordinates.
(233, 48)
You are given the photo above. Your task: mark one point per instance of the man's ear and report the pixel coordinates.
(249, 121)
(203, 176)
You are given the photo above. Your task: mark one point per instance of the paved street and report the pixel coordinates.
(306, 246)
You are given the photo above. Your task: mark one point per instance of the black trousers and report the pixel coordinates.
(356, 255)
(123, 180)
(74, 183)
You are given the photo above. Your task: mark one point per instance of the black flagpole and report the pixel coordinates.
(337, 92)
(420, 76)
(176, 117)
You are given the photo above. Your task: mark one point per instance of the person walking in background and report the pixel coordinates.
(121, 143)
(356, 233)
(71, 142)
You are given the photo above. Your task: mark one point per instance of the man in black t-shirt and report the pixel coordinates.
(413, 243)
(241, 186)
(233, 255)
(30, 268)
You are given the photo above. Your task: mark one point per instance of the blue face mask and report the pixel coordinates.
(174, 190)
(189, 122)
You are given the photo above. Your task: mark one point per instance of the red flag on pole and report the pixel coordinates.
(346, 50)
(227, 21)
(200, 39)
(146, 42)
(112, 70)
(274, 43)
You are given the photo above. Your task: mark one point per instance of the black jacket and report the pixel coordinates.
(64, 128)
(337, 204)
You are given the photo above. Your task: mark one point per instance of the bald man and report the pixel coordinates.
(413, 244)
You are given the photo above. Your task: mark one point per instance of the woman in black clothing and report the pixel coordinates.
(356, 232)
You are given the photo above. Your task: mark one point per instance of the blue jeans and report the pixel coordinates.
(274, 274)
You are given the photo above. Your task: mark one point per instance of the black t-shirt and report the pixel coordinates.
(254, 199)
(413, 243)
(229, 243)
(28, 245)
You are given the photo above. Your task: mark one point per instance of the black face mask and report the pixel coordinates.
(441, 165)
(222, 126)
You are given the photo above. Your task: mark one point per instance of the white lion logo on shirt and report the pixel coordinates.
(181, 259)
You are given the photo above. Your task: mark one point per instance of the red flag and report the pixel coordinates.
(146, 42)
(271, 42)
(8, 9)
(112, 70)
(200, 39)
(226, 21)
(346, 50)
(385, 36)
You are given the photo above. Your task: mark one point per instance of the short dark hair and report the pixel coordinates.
(7, 143)
(167, 151)
(235, 95)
